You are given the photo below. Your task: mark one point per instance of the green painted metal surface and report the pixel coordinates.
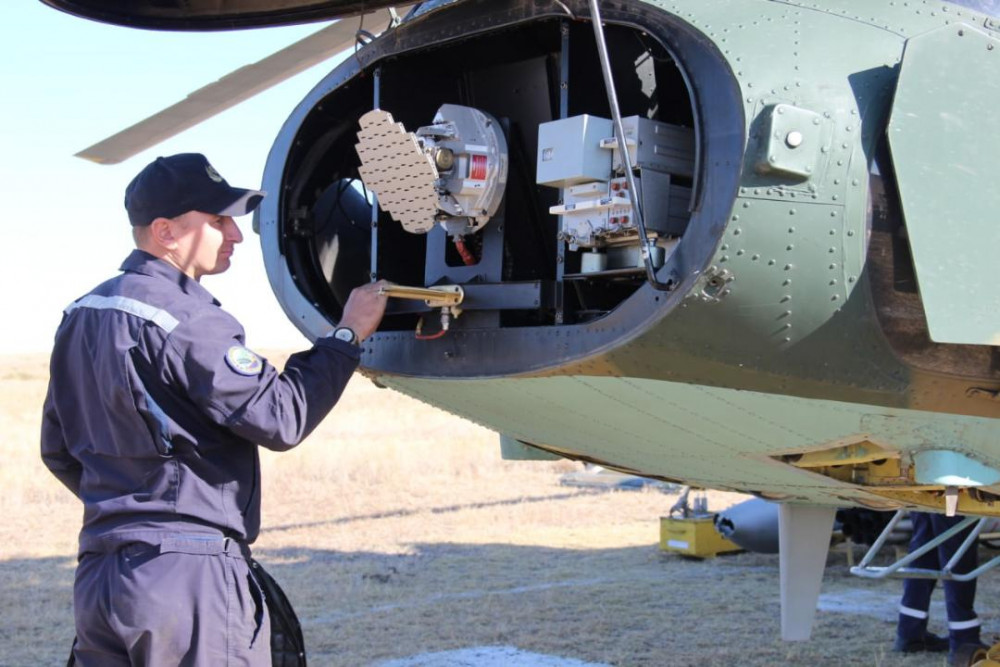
(512, 449)
(713, 437)
(793, 249)
(945, 140)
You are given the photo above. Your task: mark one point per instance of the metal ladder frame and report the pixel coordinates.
(899, 568)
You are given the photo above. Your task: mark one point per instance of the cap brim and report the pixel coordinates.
(248, 201)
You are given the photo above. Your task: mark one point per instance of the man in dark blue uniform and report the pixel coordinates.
(153, 416)
(960, 596)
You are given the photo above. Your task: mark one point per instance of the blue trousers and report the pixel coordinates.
(184, 602)
(959, 597)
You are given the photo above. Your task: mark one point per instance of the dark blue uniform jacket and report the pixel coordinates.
(155, 409)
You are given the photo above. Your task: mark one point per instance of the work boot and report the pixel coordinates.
(930, 643)
(964, 655)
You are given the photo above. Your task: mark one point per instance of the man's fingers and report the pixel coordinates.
(365, 307)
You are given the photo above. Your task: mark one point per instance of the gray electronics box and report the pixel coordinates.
(569, 151)
(659, 146)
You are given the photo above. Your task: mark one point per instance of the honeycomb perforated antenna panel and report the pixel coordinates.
(396, 168)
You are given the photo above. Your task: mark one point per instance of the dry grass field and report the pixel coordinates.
(397, 530)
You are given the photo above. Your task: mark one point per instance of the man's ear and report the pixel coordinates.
(161, 233)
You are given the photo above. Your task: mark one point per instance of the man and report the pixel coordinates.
(960, 596)
(153, 416)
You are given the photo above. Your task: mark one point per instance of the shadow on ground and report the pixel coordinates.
(631, 606)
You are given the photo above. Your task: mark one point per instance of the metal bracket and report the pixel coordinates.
(900, 570)
(715, 286)
(394, 18)
(792, 142)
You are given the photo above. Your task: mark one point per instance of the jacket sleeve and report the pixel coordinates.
(55, 454)
(242, 392)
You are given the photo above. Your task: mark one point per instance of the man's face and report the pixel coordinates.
(204, 243)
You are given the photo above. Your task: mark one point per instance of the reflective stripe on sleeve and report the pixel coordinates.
(157, 316)
(964, 625)
(909, 611)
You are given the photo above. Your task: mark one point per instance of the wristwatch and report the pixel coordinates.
(346, 334)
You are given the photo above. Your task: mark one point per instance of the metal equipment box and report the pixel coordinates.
(569, 151)
(659, 146)
(693, 536)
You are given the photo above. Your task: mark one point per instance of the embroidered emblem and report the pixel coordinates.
(244, 361)
(213, 174)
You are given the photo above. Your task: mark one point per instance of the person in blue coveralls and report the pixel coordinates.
(154, 414)
(960, 596)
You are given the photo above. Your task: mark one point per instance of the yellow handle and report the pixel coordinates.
(436, 297)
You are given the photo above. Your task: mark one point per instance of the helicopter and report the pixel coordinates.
(739, 245)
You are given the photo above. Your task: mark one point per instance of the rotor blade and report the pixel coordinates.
(230, 90)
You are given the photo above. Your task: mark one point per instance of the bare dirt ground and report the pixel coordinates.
(397, 530)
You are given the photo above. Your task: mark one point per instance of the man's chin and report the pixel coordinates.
(220, 266)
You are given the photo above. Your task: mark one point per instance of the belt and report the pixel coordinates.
(185, 543)
(210, 546)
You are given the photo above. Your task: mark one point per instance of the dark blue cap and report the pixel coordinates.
(172, 186)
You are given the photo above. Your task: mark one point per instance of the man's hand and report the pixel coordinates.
(364, 309)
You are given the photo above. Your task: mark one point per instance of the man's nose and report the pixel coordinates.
(235, 235)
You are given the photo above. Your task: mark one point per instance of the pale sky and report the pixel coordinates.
(68, 83)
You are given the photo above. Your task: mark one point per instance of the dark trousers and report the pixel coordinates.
(959, 597)
(184, 602)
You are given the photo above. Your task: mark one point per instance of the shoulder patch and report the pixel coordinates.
(244, 361)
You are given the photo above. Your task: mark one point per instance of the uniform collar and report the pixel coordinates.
(143, 263)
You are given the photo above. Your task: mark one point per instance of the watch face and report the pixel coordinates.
(344, 334)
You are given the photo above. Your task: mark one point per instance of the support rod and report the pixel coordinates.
(900, 569)
(609, 84)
